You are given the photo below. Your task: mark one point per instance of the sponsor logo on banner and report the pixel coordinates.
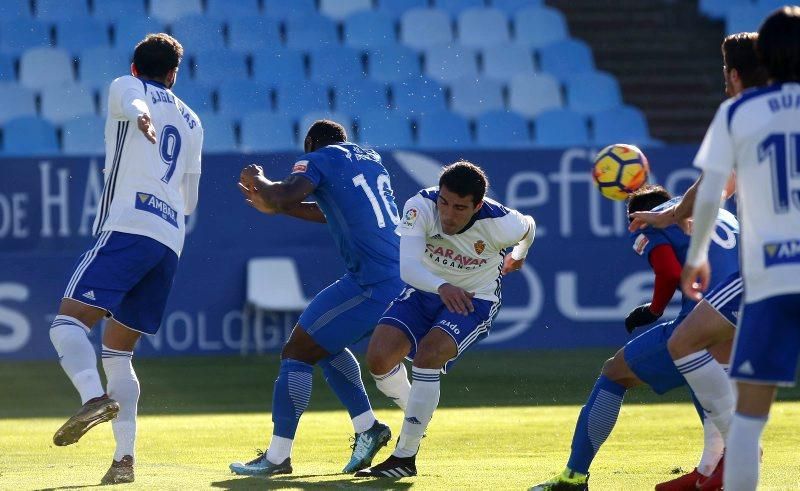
(785, 252)
(300, 166)
(640, 243)
(479, 246)
(410, 217)
(149, 203)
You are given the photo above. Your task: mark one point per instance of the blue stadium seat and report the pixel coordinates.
(502, 129)
(385, 129)
(531, 94)
(60, 104)
(539, 26)
(44, 67)
(511, 6)
(341, 9)
(83, 135)
(295, 9)
(471, 98)
(455, 7)
(29, 135)
(360, 95)
(18, 35)
(593, 92)
(76, 35)
(308, 119)
(253, 34)
(239, 96)
(561, 128)
(443, 130)
(227, 10)
(566, 58)
(130, 30)
(418, 95)
(16, 101)
(298, 98)
(15, 9)
(267, 132)
(172, 10)
(423, 28)
(743, 18)
(620, 124)
(479, 28)
(718, 9)
(396, 8)
(219, 135)
(393, 63)
(503, 61)
(58, 10)
(369, 30)
(278, 66)
(311, 33)
(7, 73)
(449, 63)
(99, 66)
(199, 96)
(114, 10)
(199, 33)
(333, 64)
(218, 65)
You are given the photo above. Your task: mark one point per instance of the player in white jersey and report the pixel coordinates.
(152, 173)
(452, 257)
(758, 136)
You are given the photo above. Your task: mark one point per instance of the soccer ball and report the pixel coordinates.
(619, 170)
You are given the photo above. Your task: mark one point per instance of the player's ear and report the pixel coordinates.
(134, 71)
(171, 77)
(478, 206)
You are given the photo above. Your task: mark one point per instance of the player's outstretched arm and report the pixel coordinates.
(278, 197)
(515, 260)
(307, 211)
(696, 272)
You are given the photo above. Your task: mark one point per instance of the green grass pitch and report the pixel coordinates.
(504, 422)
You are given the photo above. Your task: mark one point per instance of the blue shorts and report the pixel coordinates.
(649, 359)
(726, 297)
(416, 313)
(768, 341)
(345, 312)
(130, 276)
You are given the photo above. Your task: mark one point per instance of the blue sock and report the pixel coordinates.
(344, 376)
(595, 423)
(290, 397)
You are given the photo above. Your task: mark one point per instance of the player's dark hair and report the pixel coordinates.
(647, 197)
(156, 55)
(465, 179)
(778, 44)
(322, 133)
(739, 53)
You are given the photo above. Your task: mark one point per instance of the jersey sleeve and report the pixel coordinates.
(716, 152)
(511, 229)
(646, 240)
(121, 90)
(309, 167)
(417, 217)
(193, 165)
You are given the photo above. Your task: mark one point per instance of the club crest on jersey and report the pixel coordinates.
(787, 251)
(479, 246)
(300, 166)
(640, 243)
(410, 217)
(149, 203)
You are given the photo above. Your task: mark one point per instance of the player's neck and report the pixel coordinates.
(158, 81)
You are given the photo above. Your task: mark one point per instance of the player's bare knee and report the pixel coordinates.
(433, 353)
(617, 370)
(378, 362)
(87, 314)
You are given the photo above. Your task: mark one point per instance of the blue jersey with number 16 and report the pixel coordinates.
(354, 192)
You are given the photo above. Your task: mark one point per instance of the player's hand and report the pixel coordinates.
(640, 316)
(694, 280)
(658, 219)
(251, 180)
(510, 264)
(457, 300)
(250, 174)
(146, 127)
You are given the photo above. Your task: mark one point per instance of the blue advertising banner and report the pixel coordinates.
(580, 281)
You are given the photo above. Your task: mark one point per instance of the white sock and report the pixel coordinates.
(280, 449)
(713, 448)
(77, 356)
(123, 386)
(364, 421)
(422, 401)
(743, 454)
(395, 385)
(710, 384)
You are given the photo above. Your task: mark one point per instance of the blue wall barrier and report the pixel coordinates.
(581, 279)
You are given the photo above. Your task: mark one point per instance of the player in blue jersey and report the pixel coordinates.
(645, 359)
(354, 197)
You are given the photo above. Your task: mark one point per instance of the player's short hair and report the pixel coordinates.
(322, 133)
(778, 44)
(647, 197)
(739, 53)
(465, 179)
(157, 54)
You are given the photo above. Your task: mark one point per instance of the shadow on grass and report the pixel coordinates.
(296, 482)
(77, 486)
